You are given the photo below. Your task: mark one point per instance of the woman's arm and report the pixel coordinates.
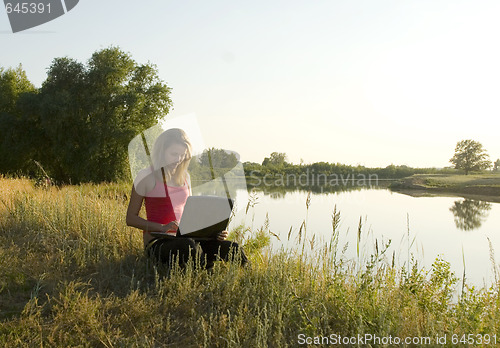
(188, 180)
(133, 219)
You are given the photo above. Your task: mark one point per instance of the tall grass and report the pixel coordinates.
(72, 274)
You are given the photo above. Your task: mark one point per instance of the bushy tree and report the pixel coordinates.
(84, 115)
(16, 94)
(212, 163)
(470, 156)
(13, 83)
(219, 158)
(277, 159)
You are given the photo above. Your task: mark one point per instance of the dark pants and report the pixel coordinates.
(169, 250)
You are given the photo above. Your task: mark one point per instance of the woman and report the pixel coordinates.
(164, 189)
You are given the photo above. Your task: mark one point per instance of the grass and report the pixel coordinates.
(73, 275)
(449, 180)
(486, 184)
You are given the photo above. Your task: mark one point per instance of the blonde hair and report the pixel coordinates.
(166, 139)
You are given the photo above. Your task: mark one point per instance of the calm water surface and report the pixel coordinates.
(450, 227)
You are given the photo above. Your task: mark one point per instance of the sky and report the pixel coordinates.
(373, 82)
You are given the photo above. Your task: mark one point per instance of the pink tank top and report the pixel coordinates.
(161, 209)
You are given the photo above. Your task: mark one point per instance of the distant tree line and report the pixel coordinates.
(389, 172)
(470, 156)
(277, 164)
(77, 126)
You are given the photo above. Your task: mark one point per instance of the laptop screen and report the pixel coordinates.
(205, 216)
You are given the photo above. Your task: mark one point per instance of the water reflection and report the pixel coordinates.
(469, 214)
(281, 191)
(420, 224)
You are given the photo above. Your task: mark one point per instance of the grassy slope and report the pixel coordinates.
(72, 274)
(479, 184)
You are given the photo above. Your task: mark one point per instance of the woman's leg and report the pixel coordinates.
(225, 250)
(170, 250)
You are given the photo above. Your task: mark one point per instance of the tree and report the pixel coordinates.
(219, 158)
(470, 155)
(13, 83)
(496, 165)
(116, 99)
(83, 117)
(15, 91)
(277, 159)
(212, 163)
(62, 109)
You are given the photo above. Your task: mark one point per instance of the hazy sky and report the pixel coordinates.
(357, 82)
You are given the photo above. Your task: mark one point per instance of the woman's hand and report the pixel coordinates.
(222, 236)
(171, 227)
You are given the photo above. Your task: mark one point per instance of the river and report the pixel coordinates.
(462, 231)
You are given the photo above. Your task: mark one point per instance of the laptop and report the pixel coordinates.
(204, 217)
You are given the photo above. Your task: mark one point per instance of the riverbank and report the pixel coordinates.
(476, 184)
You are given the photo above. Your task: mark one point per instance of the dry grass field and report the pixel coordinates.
(72, 274)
